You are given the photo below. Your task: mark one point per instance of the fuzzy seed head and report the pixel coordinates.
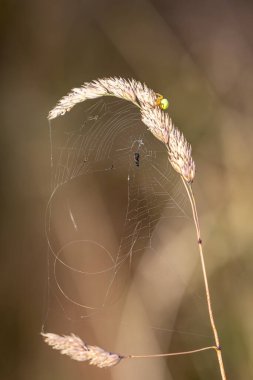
(152, 115)
(76, 349)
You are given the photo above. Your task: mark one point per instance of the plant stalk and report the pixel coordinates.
(150, 356)
(208, 298)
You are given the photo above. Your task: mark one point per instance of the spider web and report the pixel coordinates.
(112, 185)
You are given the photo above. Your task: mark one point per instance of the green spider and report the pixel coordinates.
(162, 102)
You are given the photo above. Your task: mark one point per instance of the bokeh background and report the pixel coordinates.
(200, 55)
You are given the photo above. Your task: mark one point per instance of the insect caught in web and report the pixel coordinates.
(162, 102)
(137, 159)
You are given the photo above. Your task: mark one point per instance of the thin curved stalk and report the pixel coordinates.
(152, 356)
(203, 266)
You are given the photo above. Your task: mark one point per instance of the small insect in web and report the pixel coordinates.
(162, 102)
(137, 155)
(137, 159)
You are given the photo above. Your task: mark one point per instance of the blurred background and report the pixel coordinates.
(199, 54)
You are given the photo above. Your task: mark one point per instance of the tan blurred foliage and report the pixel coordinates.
(199, 54)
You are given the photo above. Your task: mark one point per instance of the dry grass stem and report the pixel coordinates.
(179, 155)
(76, 349)
(191, 197)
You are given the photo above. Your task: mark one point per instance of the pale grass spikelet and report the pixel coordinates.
(179, 151)
(127, 89)
(157, 121)
(145, 96)
(76, 349)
